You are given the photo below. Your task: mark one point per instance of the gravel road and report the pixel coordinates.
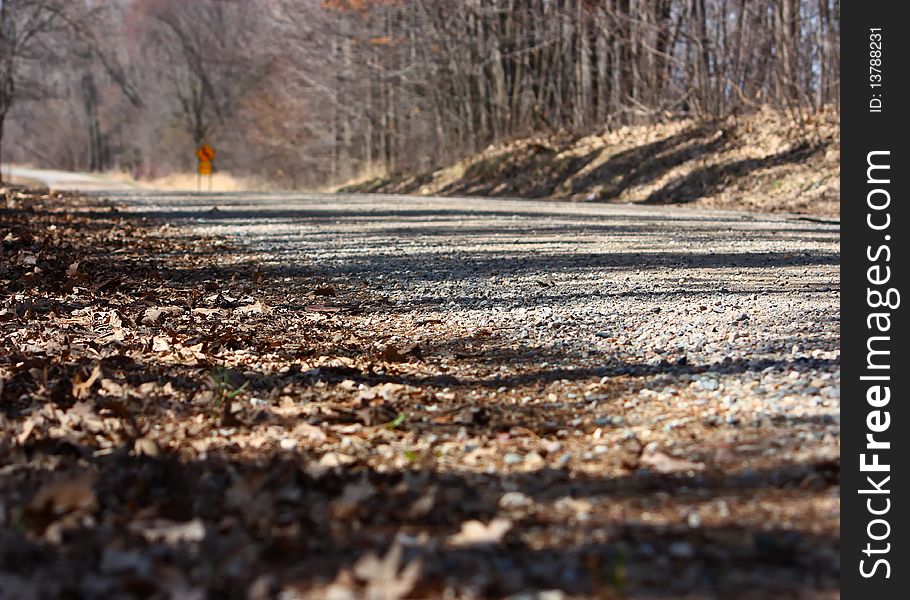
(587, 285)
(639, 341)
(65, 180)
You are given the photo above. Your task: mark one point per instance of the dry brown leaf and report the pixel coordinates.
(309, 432)
(113, 388)
(114, 320)
(375, 415)
(390, 390)
(354, 495)
(65, 495)
(81, 388)
(423, 505)
(72, 272)
(83, 414)
(160, 344)
(151, 316)
(384, 578)
(391, 354)
(335, 459)
(170, 532)
(656, 460)
(27, 429)
(476, 533)
(146, 447)
(322, 308)
(258, 308)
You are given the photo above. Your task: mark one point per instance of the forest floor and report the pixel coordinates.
(318, 396)
(761, 162)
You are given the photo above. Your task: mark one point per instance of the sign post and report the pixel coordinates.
(206, 166)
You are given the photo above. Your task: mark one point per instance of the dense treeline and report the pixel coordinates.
(306, 91)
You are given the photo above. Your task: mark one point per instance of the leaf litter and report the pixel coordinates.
(178, 418)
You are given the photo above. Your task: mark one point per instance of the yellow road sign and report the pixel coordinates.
(205, 153)
(205, 167)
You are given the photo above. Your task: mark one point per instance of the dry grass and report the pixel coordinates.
(220, 182)
(760, 162)
(373, 174)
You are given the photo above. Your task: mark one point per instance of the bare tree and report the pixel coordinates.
(201, 51)
(22, 25)
(305, 91)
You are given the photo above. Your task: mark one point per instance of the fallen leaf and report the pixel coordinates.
(424, 504)
(476, 533)
(146, 447)
(354, 495)
(258, 307)
(83, 414)
(384, 578)
(170, 532)
(393, 354)
(72, 271)
(160, 344)
(65, 495)
(81, 388)
(390, 390)
(376, 415)
(114, 320)
(151, 316)
(658, 461)
(322, 308)
(28, 427)
(113, 388)
(309, 432)
(335, 459)
(475, 415)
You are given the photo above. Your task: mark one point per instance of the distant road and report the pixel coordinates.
(66, 180)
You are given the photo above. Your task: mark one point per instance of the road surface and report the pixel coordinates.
(677, 369)
(65, 180)
(578, 281)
